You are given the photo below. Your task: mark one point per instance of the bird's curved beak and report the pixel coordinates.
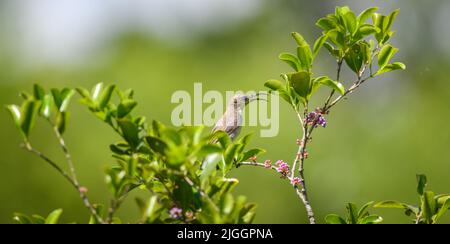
(257, 96)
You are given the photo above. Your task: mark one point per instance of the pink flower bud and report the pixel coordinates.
(267, 164)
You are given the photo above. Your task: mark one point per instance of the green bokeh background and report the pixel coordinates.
(374, 145)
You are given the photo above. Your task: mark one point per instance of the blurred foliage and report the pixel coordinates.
(431, 206)
(398, 127)
(185, 175)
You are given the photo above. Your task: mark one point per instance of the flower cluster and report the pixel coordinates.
(267, 164)
(175, 212)
(316, 118)
(295, 181)
(282, 168)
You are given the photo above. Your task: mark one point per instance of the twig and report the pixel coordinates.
(300, 192)
(348, 92)
(338, 77)
(27, 146)
(257, 164)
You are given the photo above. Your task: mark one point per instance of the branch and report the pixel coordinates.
(117, 202)
(27, 146)
(74, 179)
(348, 92)
(256, 164)
(302, 194)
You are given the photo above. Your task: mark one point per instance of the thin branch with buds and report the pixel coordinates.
(27, 146)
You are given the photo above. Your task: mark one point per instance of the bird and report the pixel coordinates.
(230, 123)
(231, 120)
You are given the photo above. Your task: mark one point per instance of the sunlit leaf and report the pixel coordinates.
(53, 217)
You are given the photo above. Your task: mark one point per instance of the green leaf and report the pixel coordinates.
(366, 14)
(83, 92)
(305, 56)
(274, 85)
(36, 219)
(66, 95)
(53, 217)
(324, 80)
(385, 55)
(337, 38)
(363, 210)
(291, 60)
(366, 53)
(319, 43)
(29, 111)
(130, 132)
(245, 140)
(442, 210)
(352, 211)
(368, 29)
(209, 149)
(441, 199)
(334, 219)
(421, 183)
(327, 24)
(299, 39)
(61, 121)
(355, 58)
(334, 52)
(391, 67)
(147, 208)
(227, 203)
(156, 144)
(301, 82)
(16, 114)
(428, 206)
(106, 96)
(125, 107)
(46, 106)
(22, 218)
(252, 153)
(229, 156)
(371, 219)
(56, 97)
(378, 21)
(350, 22)
(96, 92)
(342, 11)
(390, 20)
(396, 204)
(38, 92)
(247, 214)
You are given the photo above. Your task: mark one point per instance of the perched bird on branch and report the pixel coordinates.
(231, 120)
(230, 123)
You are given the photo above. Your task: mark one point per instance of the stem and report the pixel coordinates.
(300, 156)
(299, 159)
(116, 203)
(338, 77)
(302, 194)
(304, 126)
(348, 92)
(64, 148)
(27, 146)
(256, 164)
